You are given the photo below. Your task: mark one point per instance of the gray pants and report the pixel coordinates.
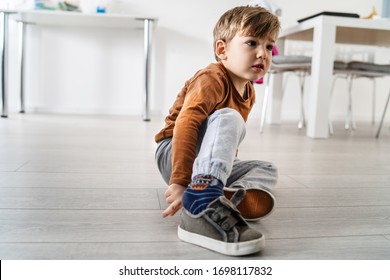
(219, 138)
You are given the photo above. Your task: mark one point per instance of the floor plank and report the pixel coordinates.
(81, 180)
(141, 226)
(78, 199)
(332, 248)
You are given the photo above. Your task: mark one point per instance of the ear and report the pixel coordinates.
(220, 49)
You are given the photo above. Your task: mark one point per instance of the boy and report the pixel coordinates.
(197, 148)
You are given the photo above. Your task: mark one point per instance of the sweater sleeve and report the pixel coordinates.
(203, 95)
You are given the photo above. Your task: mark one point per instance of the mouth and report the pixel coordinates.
(258, 67)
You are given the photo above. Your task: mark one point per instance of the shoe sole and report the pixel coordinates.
(226, 248)
(257, 204)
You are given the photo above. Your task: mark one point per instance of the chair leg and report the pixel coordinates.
(353, 121)
(331, 131)
(383, 116)
(373, 100)
(350, 117)
(287, 75)
(265, 103)
(302, 121)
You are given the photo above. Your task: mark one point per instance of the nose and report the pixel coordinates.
(261, 52)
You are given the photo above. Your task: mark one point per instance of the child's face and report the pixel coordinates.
(247, 58)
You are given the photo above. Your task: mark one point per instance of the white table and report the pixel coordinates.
(325, 32)
(74, 19)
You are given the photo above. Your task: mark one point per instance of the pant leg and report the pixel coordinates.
(163, 155)
(219, 137)
(224, 132)
(163, 158)
(253, 174)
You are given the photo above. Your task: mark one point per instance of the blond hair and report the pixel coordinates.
(246, 21)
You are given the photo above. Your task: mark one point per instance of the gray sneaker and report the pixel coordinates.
(221, 228)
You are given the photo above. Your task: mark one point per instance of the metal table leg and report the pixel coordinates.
(148, 24)
(22, 48)
(4, 63)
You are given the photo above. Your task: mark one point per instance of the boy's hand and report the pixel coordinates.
(173, 195)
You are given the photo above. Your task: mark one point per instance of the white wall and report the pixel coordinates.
(100, 71)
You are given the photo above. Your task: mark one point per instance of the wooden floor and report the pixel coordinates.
(83, 187)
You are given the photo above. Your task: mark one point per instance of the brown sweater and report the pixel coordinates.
(208, 90)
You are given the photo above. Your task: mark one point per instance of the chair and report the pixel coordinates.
(300, 66)
(359, 69)
(296, 64)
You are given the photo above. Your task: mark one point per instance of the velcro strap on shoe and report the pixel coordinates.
(229, 223)
(224, 217)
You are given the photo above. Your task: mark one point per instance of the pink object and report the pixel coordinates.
(274, 52)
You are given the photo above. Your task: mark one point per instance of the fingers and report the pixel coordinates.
(169, 199)
(171, 210)
(173, 197)
(176, 210)
(165, 214)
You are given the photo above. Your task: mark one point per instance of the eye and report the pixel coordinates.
(251, 43)
(270, 47)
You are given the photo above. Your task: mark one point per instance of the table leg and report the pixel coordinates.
(148, 24)
(321, 80)
(22, 48)
(4, 64)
